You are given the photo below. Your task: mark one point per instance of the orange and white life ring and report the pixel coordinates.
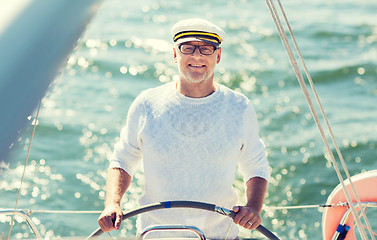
(366, 188)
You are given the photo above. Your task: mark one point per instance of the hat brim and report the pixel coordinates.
(194, 39)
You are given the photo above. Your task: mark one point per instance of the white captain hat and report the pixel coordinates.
(197, 29)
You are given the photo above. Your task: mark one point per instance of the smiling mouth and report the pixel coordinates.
(196, 65)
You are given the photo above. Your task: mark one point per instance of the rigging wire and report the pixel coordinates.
(345, 169)
(286, 44)
(24, 171)
(228, 230)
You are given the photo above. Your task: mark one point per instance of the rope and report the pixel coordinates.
(23, 174)
(286, 44)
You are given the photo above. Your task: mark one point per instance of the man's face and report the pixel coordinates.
(196, 67)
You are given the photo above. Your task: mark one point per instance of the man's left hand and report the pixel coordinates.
(247, 217)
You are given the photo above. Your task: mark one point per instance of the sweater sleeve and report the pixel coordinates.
(253, 158)
(127, 151)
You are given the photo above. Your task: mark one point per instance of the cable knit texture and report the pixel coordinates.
(190, 148)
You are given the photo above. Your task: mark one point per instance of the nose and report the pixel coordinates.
(196, 52)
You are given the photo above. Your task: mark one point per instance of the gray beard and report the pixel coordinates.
(194, 77)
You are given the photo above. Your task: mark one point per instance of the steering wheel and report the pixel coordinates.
(185, 204)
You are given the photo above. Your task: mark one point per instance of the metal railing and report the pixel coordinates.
(25, 215)
(172, 228)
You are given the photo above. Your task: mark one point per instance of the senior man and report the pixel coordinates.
(190, 135)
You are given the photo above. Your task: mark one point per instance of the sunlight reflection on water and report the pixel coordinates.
(128, 49)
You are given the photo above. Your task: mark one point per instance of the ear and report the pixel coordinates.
(175, 54)
(218, 57)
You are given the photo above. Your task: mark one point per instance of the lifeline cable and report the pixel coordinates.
(340, 204)
(23, 174)
(306, 93)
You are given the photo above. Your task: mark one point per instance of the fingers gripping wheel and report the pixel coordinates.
(185, 204)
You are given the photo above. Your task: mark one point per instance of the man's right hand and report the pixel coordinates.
(111, 218)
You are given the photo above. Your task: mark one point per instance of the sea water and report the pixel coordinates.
(128, 48)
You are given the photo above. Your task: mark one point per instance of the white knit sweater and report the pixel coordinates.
(190, 148)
